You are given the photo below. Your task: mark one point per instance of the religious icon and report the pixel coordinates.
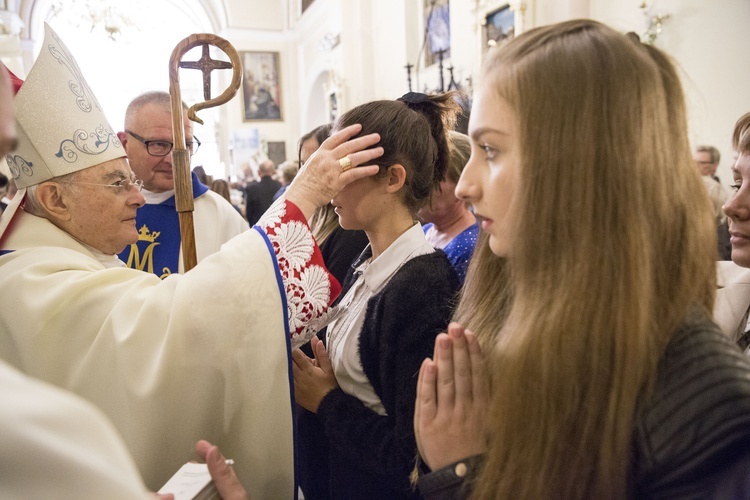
(438, 30)
(261, 88)
(499, 27)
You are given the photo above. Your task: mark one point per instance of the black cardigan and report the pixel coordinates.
(369, 455)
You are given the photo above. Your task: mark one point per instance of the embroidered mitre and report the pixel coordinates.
(61, 126)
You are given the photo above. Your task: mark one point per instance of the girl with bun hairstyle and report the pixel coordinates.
(398, 297)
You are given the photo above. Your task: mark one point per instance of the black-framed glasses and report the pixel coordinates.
(120, 186)
(163, 148)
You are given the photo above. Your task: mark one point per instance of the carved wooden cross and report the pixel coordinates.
(183, 184)
(206, 65)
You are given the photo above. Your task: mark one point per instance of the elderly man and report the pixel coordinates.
(57, 444)
(196, 355)
(147, 140)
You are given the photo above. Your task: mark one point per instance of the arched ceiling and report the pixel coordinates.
(257, 14)
(215, 15)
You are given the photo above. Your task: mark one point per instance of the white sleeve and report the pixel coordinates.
(56, 445)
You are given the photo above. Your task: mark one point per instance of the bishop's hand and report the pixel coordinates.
(331, 168)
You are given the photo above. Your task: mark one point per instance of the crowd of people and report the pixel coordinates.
(555, 305)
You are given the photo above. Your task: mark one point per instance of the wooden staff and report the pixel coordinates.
(183, 183)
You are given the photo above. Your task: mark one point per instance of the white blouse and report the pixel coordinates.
(344, 330)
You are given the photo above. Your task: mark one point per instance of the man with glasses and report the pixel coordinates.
(147, 140)
(204, 354)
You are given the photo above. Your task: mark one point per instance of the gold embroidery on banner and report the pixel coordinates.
(147, 262)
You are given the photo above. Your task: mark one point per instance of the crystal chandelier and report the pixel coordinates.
(110, 16)
(654, 22)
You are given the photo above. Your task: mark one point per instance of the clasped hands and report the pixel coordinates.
(451, 411)
(313, 378)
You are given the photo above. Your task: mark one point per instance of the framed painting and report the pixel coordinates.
(437, 21)
(499, 27)
(306, 4)
(261, 86)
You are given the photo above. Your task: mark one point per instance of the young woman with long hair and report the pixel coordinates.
(591, 292)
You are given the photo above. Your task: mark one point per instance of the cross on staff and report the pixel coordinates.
(183, 185)
(206, 65)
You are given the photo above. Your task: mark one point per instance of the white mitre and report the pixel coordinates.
(60, 124)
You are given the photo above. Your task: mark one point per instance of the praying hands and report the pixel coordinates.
(313, 378)
(450, 418)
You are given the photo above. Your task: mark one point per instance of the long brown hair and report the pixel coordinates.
(221, 187)
(614, 248)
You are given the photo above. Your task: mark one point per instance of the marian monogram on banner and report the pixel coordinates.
(145, 262)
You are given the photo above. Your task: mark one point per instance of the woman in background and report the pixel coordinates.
(202, 175)
(221, 187)
(450, 226)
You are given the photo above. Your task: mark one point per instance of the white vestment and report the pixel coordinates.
(56, 445)
(216, 221)
(200, 355)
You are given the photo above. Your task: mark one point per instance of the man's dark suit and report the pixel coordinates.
(258, 197)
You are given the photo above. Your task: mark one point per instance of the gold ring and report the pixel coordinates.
(345, 163)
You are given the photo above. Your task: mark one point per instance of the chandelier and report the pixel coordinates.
(654, 22)
(109, 16)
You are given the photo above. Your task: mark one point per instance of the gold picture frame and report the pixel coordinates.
(261, 86)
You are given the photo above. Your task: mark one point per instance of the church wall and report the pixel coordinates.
(268, 130)
(706, 40)
(314, 65)
(255, 14)
(389, 50)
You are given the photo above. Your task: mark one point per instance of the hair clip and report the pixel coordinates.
(414, 97)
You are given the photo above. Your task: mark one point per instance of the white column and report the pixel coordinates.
(11, 52)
